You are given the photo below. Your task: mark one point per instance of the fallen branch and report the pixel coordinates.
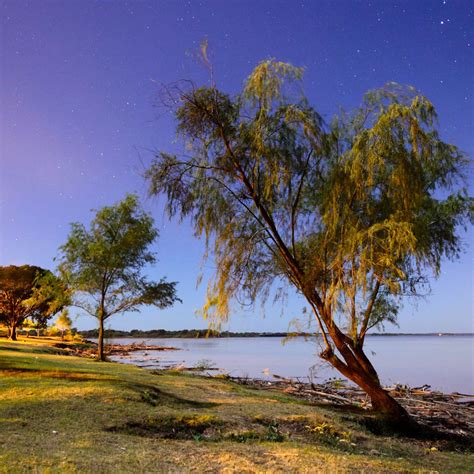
(435, 409)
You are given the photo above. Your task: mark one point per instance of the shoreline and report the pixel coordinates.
(174, 421)
(203, 334)
(451, 413)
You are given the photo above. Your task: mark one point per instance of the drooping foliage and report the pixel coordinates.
(104, 263)
(354, 214)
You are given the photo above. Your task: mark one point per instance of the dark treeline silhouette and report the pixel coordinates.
(202, 333)
(183, 333)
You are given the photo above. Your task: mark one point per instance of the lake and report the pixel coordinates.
(444, 362)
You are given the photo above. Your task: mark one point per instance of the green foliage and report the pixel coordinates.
(52, 294)
(103, 264)
(29, 292)
(63, 323)
(353, 214)
(333, 208)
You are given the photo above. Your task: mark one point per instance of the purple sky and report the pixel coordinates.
(77, 122)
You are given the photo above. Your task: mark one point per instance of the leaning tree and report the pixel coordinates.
(104, 264)
(353, 214)
(31, 292)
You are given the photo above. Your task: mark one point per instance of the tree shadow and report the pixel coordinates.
(54, 374)
(13, 348)
(154, 396)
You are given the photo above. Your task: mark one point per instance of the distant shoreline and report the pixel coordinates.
(204, 333)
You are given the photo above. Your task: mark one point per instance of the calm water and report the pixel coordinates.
(444, 362)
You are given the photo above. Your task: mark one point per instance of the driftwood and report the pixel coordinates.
(451, 413)
(90, 349)
(124, 349)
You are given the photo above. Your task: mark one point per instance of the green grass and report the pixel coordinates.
(60, 413)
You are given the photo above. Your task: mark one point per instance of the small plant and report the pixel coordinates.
(337, 383)
(274, 433)
(322, 429)
(194, 421)
(273, 430)
(330, 432)
(204, 364)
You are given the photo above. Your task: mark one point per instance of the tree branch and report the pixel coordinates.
(368, 312)
(295, 203)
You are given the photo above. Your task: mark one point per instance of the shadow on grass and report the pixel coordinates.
(448, 441)
(155, 397)
(27, 349)
(173, 427)
(6, 370)
(344, 409)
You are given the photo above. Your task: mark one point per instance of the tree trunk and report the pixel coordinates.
(359, 369)
(392, 413)
(101, 355)
(12, 332)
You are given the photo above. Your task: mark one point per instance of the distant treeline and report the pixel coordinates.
(184, 333)
(202, 333)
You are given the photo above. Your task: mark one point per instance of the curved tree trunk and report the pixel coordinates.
(382, 403)
(358, 368)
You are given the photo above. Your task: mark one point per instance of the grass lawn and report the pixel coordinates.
(60, 413)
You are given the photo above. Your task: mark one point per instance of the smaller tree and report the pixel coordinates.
(27, 326)
(50, 295)
(28, 292)
(104, 263)
(40, 322)
(63, 323)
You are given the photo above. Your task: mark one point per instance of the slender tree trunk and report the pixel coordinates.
(101, 354)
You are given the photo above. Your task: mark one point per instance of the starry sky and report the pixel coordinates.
(79, 122)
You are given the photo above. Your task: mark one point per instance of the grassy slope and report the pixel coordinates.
(62, 413)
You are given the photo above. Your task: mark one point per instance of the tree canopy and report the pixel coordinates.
(104, 263)
(29, 292)
(353, 214)
(63, 322)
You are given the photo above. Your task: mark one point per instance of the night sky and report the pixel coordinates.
(79, 80)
